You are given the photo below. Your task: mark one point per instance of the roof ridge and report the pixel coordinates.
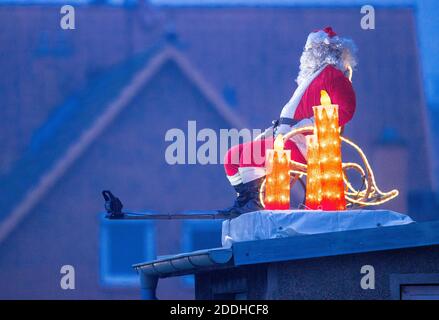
(42, 175)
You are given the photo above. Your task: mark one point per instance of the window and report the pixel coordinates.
(414, 286)
(420, 292)
(198, 235)
(122, 244)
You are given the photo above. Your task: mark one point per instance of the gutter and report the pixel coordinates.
(180, 264)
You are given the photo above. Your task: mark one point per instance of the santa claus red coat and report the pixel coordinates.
(341, 92)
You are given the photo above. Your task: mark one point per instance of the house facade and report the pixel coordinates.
(88, 110)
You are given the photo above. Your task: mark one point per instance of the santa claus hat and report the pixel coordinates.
(317, 37)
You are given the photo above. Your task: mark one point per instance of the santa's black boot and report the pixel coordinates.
(241, 199)
(247, 200)
(252, 200)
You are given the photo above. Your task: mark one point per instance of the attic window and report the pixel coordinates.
(122, 244)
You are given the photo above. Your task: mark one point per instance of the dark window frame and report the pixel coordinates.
(398, 281)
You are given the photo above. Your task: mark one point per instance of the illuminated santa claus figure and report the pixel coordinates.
(326, 64)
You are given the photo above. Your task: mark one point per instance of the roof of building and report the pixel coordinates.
(250, 55)
(187, 262)
(79, 122)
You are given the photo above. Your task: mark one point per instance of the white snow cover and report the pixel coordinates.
(266, 224)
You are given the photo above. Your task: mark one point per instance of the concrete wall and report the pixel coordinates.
(336, 277)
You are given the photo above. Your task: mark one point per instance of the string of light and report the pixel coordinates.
(369, 194)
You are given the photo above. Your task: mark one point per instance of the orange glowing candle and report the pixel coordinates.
(313, 183)
(328, 135)
(277, 185)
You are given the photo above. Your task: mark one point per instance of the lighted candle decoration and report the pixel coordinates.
(277, 185)
(328, 135)
(313, 184)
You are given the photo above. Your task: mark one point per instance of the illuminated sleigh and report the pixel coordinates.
(368, 195)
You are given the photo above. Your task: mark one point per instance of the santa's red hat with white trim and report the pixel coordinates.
(326, 36)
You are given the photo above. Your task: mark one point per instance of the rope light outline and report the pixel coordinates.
(371, 195)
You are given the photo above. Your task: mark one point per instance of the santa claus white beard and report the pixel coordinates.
(338, 55)
(309, 63)
(305, 73)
